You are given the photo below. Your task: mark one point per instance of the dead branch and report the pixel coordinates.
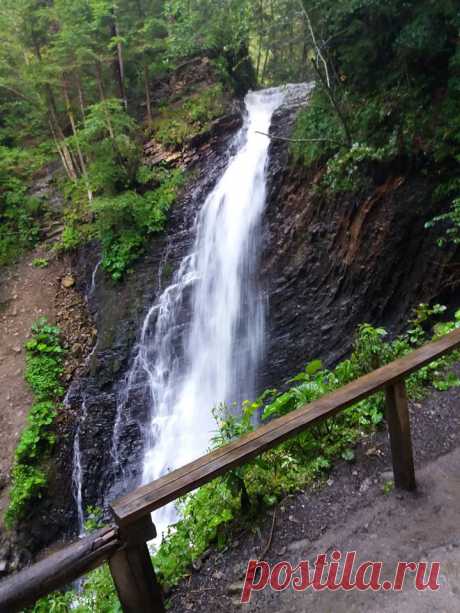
(300, 140)
(315, 43)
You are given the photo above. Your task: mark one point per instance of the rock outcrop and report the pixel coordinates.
(333, 262)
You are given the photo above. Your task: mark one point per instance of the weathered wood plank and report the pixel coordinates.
(179, 482)
(54, 572)
(397, 413)
(135, 580)
(132, 570)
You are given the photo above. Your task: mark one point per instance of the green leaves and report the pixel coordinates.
(37, 437)
(124, 222)
(28, 484)
(44, 359)
(210, 514)
(19, 212)
(175, 124)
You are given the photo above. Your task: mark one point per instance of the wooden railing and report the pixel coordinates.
(124, 545)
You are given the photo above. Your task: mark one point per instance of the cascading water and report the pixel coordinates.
(190, 367)
(77, 473)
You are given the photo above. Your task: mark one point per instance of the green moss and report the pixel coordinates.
(193, 116)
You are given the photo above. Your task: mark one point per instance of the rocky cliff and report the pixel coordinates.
(331, 262)
(328, 264)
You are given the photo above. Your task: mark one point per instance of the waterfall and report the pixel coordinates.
(77, 475)
(77, 472)
(189, 364)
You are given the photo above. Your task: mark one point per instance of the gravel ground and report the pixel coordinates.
(26, 293)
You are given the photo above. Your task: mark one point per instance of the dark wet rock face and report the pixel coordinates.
(119, 310)
(333, 262)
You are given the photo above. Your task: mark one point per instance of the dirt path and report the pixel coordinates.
(26, 293)
(352, 512)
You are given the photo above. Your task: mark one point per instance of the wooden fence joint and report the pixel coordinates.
(132, 570)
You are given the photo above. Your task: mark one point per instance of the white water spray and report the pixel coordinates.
(213, 358)
(77, 473)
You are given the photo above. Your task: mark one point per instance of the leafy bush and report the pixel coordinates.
(128, 202)
(44, 358)
(43, 375)
(19, 226)
(44, 361)
(28, 483)
(40, 263)
(124, 222)
(97, 594)
(37, 437)
(317, 134)
(393, 110)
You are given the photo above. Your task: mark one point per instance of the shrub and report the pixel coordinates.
(40, 263)
(37, 437)
(44, 357)
(43, 361)
(28, 483)
(174, 125)
(124, 222)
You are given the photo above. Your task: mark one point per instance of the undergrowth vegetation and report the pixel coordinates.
(210, 515)
(118, 200)
(387, 93)
(44, 368)
(174, 124)
(20, 212)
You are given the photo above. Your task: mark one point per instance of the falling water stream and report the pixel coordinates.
(190, 364)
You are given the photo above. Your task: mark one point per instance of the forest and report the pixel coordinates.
(78, 84)
(96, 98)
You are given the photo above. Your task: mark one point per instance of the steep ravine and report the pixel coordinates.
(328, 264)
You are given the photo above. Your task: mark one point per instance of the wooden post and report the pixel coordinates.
(397, 413)
(133, 572)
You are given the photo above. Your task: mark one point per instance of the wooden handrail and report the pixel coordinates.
(186, 479)
(125, 546)
(52, 573)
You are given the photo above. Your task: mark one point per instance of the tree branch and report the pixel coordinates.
(315, 43)
(301, 140)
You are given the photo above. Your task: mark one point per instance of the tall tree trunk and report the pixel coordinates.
(119, 64)
(148, 101)
(100, 87)
(107, 115)
(81, 98)
(267, 55)
(81, 158)
(56, 130)
(52, 110)
(62, 150)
